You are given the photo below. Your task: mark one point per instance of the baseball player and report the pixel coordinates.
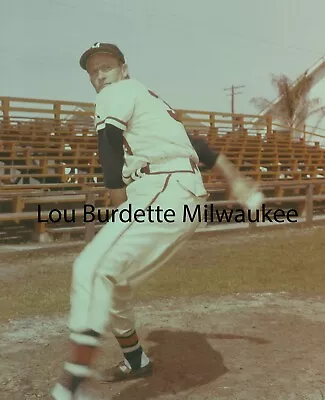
(148, 161)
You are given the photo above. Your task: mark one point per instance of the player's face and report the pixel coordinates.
(104, 69)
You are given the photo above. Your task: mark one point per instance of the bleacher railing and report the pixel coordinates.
(58, 114)
(72, 117)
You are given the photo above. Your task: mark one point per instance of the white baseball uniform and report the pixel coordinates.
(160, 169)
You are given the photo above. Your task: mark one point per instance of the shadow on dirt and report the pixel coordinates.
(182, 361)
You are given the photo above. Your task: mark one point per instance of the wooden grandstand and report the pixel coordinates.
(49, 156)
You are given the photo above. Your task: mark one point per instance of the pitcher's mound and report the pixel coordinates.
(235, 347)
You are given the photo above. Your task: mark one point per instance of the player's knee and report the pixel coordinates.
(84, 269)
(81, 268)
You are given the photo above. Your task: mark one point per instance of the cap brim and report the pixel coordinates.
(84, 58)
(115, 52)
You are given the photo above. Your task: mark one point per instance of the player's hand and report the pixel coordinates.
(247, 193)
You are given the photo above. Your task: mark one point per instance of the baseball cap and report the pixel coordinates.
(98, 47)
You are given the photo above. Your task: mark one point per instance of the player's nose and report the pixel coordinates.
(101, 75)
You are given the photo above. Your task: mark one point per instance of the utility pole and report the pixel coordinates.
(233, 94)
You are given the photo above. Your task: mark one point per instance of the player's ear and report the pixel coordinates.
(125, 71)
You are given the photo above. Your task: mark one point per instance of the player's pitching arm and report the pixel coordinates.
(243, 189)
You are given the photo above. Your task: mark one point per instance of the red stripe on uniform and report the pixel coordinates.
(162, 190)
(153, 94)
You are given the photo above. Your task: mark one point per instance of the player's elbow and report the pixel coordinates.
(114, 182)
(206, 155)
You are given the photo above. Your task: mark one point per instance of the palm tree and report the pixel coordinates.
(294, 106)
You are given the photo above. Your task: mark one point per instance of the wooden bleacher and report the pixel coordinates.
(48, 156)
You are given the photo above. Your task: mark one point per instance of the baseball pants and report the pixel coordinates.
(124, 254)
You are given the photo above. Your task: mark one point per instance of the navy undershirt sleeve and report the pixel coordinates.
(111, 155)
(206, 156)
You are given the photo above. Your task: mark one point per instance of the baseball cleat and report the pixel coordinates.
(122, 372)
(61, 393)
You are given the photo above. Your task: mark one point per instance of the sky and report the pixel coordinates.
(187, 52)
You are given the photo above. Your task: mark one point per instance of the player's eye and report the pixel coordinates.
(106, 67)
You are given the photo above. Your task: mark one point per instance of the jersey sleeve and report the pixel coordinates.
(115, 105)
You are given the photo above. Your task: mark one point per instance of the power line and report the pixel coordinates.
(233, 94)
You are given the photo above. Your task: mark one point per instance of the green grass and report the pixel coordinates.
(291, 261)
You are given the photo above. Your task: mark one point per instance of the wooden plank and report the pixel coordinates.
(38, 175)
(53, 186)
(49, 165)
(18, 216)
(55, 199)
(30, 215)
(20, 192)
(72, 229)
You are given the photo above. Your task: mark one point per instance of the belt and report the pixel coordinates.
(184, 165)
(173, 166)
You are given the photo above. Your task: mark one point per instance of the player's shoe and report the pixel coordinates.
(122, 372)
(61, 393)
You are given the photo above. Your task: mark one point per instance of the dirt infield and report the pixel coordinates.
(212, 322)
(235, 347)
